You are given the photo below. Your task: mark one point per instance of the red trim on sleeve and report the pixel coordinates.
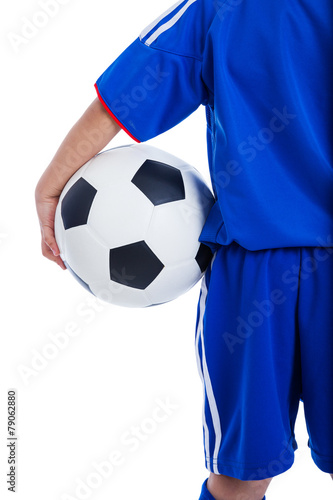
(112, 115)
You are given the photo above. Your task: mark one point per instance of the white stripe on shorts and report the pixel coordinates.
(204, 373)
(164, 27)
(203, 297)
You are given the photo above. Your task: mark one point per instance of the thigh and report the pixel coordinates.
(248, 356)
(315, 318)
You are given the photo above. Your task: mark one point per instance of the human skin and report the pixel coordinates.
(90, 134)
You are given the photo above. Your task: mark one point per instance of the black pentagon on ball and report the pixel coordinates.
(161, 183)
(134, 265)
(203, 257)
(83, 283)
(77, 203)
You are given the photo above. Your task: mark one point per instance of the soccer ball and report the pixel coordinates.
(127, 225)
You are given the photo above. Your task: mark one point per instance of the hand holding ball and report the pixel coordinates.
(128, 223)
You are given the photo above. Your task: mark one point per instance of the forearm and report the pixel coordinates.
(92, 132)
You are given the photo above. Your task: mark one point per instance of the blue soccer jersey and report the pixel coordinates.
(263, 70)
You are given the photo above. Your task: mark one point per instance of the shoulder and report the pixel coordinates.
(183, 28)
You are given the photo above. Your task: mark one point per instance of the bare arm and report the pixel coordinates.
(91, 133)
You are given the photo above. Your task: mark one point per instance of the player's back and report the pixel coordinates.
(268, 68)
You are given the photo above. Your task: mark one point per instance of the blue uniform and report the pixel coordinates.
(263, 70)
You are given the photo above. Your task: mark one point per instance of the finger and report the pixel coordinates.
(48, 237)
(60, 263)
(47, 252)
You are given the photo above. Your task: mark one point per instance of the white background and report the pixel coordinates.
(74, 410)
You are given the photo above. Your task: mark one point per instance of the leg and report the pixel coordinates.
(229, 488)
(248, 359)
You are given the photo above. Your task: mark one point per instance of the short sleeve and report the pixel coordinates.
(157, 82)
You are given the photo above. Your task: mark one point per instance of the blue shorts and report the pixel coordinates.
(264, 341)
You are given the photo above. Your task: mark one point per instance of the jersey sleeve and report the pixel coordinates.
(157, 82)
